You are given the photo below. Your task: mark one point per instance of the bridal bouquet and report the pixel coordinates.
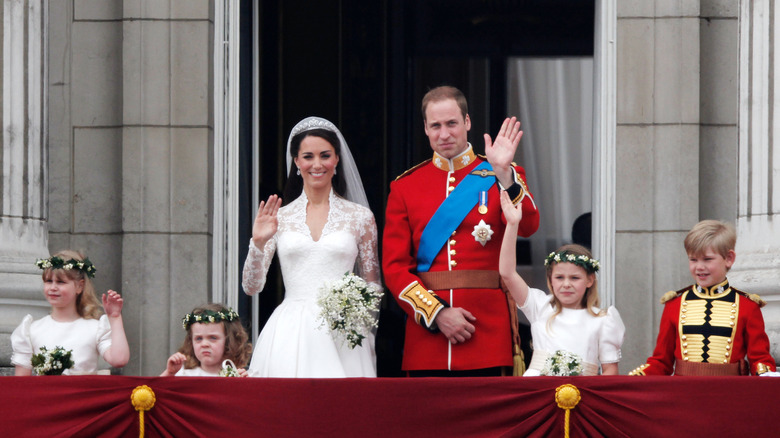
(52, 363)
(348, 306)
(562, 363)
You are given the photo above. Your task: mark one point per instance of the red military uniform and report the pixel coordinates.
(719, 325)
(414, 198)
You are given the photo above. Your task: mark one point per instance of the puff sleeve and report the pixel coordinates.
(103, 335)
(611, 336)
(22, 344)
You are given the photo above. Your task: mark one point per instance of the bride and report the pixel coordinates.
(326, 231)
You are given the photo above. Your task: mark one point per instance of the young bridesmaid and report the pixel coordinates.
(571, 334)
(76, 322)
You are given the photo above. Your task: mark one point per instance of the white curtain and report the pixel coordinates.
(553, 98)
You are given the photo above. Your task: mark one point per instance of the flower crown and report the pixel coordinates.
(56, 262)
(209, 316)
(590, 265)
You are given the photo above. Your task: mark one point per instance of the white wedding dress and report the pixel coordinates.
(293, 342)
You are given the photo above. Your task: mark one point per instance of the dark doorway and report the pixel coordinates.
(365, 66)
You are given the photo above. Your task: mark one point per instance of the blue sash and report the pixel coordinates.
(450, 214)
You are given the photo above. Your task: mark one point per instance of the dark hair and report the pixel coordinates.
(294, 184)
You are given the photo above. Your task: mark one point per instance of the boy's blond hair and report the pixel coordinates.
(718, 235)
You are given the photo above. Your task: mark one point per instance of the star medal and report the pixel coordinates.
(482, 232)
(482, 202)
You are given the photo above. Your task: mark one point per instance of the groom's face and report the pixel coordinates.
(446, 128)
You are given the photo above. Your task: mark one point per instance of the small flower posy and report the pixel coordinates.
(51, 363)
(228, 369)
(56, 262)
(562, 363)
(589, 264)
(209, 316)
(348, 307)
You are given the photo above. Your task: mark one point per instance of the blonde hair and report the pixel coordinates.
(237, 346)
(88, 306)
(591, 297)
(445, 92)
(718, 235)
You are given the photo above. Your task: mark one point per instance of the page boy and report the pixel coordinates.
(710, 328)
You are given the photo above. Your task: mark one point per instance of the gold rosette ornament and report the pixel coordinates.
(567, 396)
(143, 400)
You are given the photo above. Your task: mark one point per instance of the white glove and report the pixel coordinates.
(770, 374)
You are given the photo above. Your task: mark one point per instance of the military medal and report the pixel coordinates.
(482, 202)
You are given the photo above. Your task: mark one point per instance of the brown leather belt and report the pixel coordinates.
(464, 279)
(685, 368)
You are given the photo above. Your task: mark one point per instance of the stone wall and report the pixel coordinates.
(130, 140)
(676, 148)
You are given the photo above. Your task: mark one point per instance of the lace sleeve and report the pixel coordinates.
(256, 266)
(368, 258)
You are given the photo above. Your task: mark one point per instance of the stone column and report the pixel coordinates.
(757, 269)
(23, 227)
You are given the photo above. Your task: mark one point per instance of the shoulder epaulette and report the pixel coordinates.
(413, 168)
(752, 297)
(672, 294)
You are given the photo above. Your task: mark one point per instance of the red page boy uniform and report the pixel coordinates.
(710, 331)
(441, 244)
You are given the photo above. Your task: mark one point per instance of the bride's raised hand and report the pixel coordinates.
(266, 221)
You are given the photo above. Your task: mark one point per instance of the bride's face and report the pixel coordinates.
(317, 161)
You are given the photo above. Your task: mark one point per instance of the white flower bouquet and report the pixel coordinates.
(562, 363)
(228, 369)
(52, 363)
(348, 307)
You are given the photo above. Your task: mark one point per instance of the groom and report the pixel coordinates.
(442, 237)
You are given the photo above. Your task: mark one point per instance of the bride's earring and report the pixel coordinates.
(334, 171)
(298, 172)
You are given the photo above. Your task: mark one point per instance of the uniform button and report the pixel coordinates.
(727, 354)
(685, 344)
(685, 358)
(732, 316)
(733, 304)
(684, 310)
(731, 323)
(452, 242)
(452, 252)
(685, 303)
(417, 292)
(453, 233)
(685, 351)
(728, 341)
(684, 337)
(728, 347)
(452, 179)
(453, 263)
(450, 188)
